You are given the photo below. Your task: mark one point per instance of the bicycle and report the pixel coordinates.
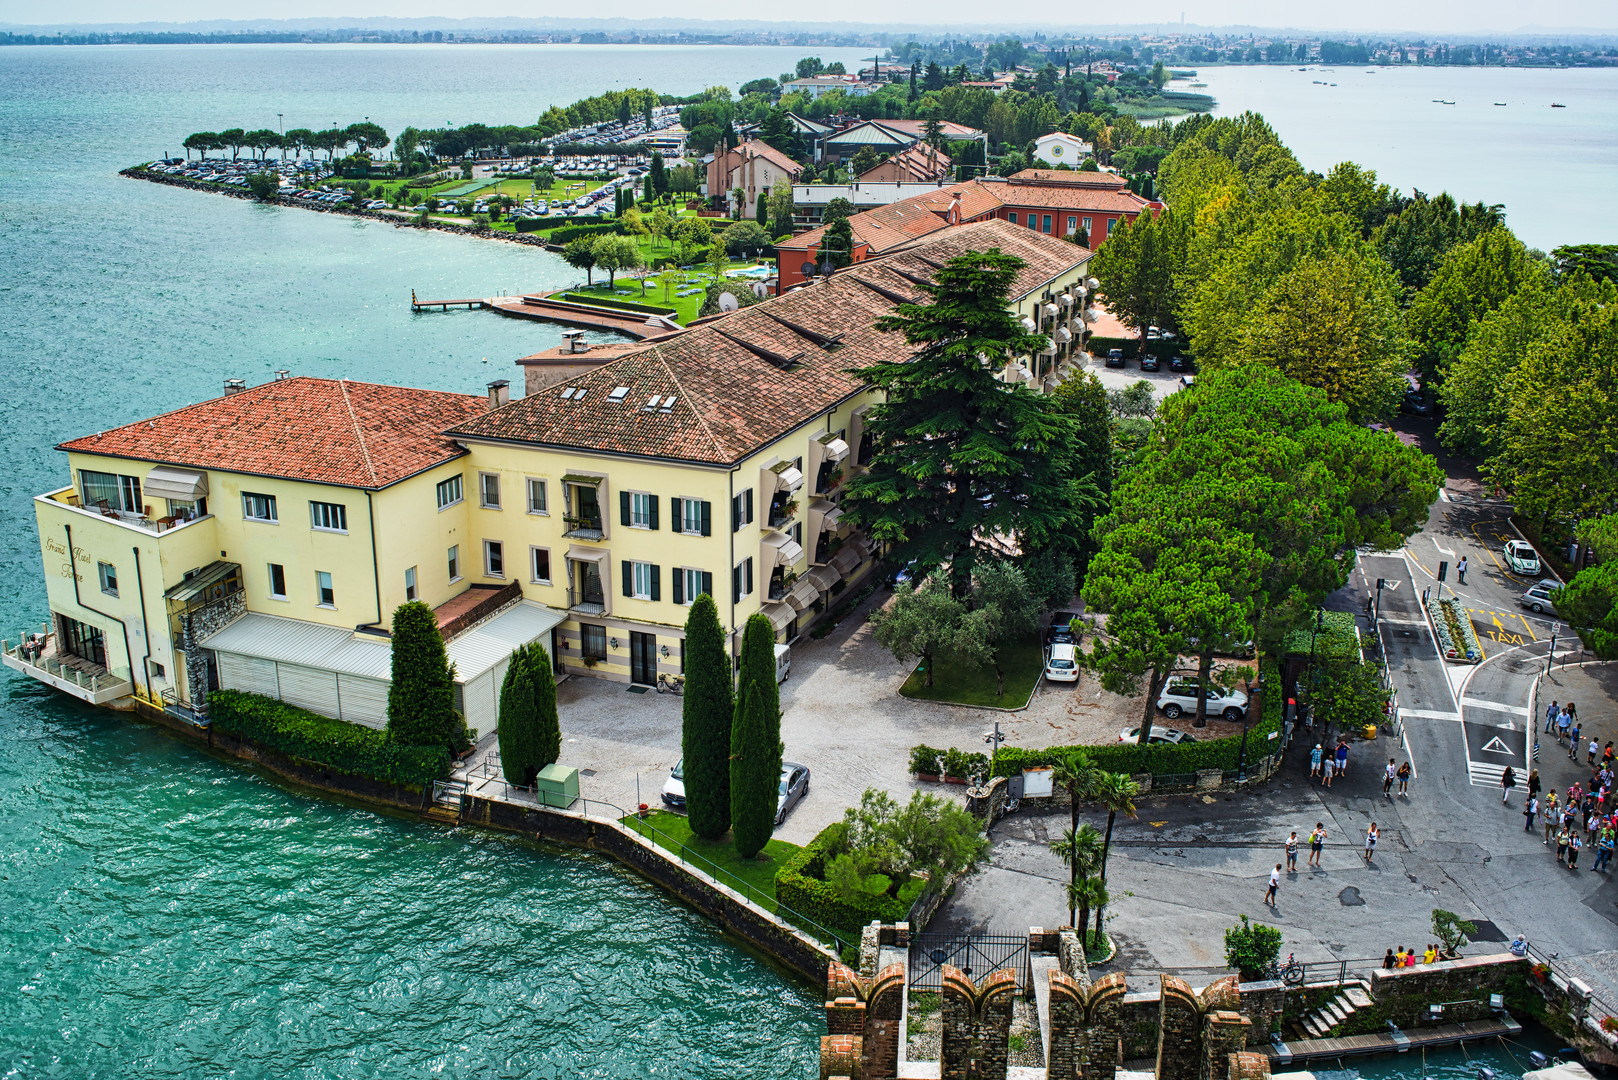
(670, 684)
(1291, 973)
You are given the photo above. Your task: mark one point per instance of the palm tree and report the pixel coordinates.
(1117, 793)
(1075, 772)
(1087, 894)
(1080, 849)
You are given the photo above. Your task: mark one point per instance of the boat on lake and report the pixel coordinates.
(1557, 105)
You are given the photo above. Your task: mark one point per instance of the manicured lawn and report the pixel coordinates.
(964, 684)
(673, 832)
(685, 307)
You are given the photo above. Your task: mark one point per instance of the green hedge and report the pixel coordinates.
(798, 885)
(570, 232)
(320, 740)
(614, 302)
(1164, 759)
(1098, 345)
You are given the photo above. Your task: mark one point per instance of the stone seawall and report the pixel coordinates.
(527, 239)
(731, 911)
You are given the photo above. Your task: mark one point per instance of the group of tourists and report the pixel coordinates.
(1586, 814)
(1409, 958)
(1329, 763)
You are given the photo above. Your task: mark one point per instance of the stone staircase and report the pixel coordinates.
(448, 796)
(1352, 997)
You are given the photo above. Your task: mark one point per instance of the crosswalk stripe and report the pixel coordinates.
(1428, 714)
(1479, 703)
(1483, 774)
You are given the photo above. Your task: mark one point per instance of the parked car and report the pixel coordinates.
(1180, 697)
(1115, 358)
(1540, 598)
(1061, 663)
(1148, 362)
(1521, 558)
(1187, 381)
(1415, 402)
(1182, 362)
(794, 786)
(1158, 735)
(1061, 627)
(674, 787)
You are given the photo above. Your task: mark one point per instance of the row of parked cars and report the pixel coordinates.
(663, 116)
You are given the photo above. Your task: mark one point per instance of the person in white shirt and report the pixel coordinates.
(1275, 883)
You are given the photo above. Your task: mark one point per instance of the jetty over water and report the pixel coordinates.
(547, 309)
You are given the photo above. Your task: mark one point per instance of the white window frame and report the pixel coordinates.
(483, 490)
(539, 484)
(640, 510)
(533, 566)
(270, 570)
(1086, 225)
(315, 515)
(498, 550)
(323, 585)
(691, 583)
(450, 484)
(411, 592)
(687, 508)
(269, 505)
(108, 575)
(453, 558)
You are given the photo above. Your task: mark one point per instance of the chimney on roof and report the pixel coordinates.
(234, 386)
(575, 341)
(282, 373)
(499, 393)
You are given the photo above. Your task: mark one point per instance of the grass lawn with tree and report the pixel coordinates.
(673, 832)
(966, 683)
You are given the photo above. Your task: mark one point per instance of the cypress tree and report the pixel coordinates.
(548, 739)
(761, 213)
(754, 774)
(706, 721)
(519, 723)
(421, 700)
(758, 664)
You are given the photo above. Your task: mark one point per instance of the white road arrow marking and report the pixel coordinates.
(1442, 549)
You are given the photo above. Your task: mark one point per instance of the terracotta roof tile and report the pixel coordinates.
(326, 431)
(1068, 176)
(729, 401)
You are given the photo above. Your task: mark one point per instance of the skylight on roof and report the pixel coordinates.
(568, 393)
(668, 404)
(651, 403)
(618, 394)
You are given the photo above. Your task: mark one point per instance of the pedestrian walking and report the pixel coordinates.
(1275, 883)
(1317, 842)
(1292, 852)
(1604, 846)
(1564, 720)
(1533, 782)
(1314, 760)
(1460, 571)
(1552, 816)
(1388, 777)
(1342, 756)
(1573, 846)
(1573, 743)
(1328, 768)
(1372, 835)
(1561, 844)
(1508, 780)
(1607, 755)
(1529, 810)
(1595, 749)
(1405, 773)
(1550, 716)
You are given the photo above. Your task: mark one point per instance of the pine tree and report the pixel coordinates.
(519, 724)
(548, 740)
(754, 774)
(421, 699)
(758, 664)
(706, 721)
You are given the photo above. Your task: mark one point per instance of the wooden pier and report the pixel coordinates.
(1391, 1042)
(567, 313)
(443, 305)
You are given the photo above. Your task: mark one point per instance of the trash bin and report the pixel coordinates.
(1369, 731)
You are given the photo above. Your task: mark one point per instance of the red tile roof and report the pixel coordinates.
(1067, 197)
(730, 395)
(769, 153)
(325, 431)
(1073, 177)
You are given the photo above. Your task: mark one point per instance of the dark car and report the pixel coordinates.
(1149, 362)
(1115, 358)
(1061, 628)
(1416, 402)
(1181, 362)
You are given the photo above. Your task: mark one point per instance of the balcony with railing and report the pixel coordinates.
(586, 601)
(146, 522)
(38, 656)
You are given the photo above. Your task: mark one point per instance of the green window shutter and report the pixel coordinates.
(652, 499)
(707, 522)
(747, 582)
(735, 584)
(623, 510)
(749, 494)
(657, 579)
(679, 585)
(676, 522)
(707, 578)
(629, 577)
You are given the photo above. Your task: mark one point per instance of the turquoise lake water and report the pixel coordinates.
(170, 915)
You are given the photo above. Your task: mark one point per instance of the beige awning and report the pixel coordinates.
(788, 479)
(587, 554)
(836, 450)
(786, 550)
(181, 485)
(847, 558)
(780, 615)
(824, 577)
(831, 518)
(803, 594)
(581, 478)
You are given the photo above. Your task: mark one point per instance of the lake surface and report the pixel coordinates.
(170, 915)
(1556, 170)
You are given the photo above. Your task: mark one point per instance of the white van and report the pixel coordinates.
(783, 663)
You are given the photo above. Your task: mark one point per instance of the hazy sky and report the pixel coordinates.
(1454, 16)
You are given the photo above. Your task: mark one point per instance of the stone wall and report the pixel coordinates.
(1463, 986)
(198, 625)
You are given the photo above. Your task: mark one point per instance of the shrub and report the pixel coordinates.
(573, 232)
(800, 884)
(1451, 930)
(1098, 345)
(319, 740)
(1251, 948)
(924, 759)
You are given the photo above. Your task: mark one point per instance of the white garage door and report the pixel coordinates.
(363, 701)
(309, 688)
(249, 673)
(481, 698)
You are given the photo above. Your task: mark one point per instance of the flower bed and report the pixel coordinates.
(1457, 641)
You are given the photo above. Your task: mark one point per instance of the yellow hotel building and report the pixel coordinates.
(262, 540)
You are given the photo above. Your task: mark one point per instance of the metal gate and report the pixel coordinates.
(977, 956)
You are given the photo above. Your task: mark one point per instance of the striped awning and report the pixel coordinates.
(803, 594)
(824, 577)
(787, 550)
(780, 615)
(181, 485)
(847, 558)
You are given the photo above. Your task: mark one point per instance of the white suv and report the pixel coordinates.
(1179, 697)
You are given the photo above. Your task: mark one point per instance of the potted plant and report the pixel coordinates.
(1542, 972)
